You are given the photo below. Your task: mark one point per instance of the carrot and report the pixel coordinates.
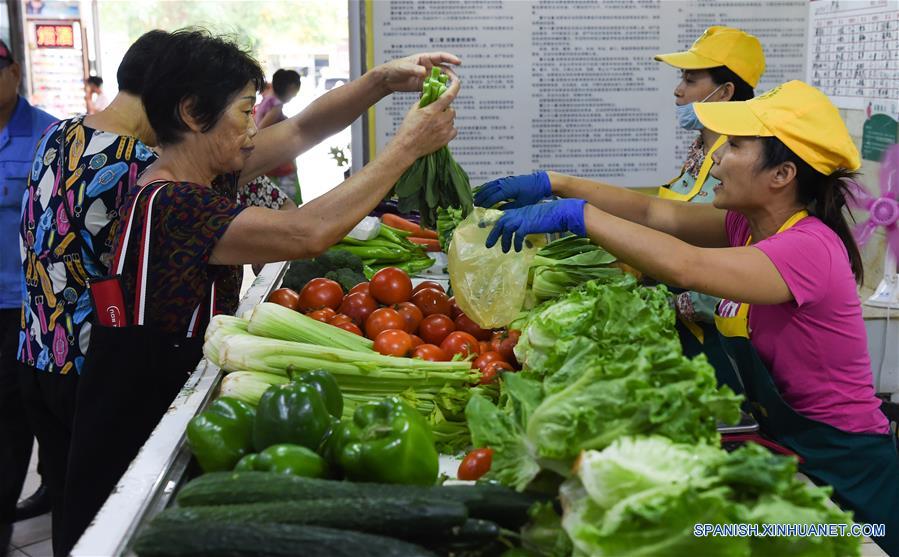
(424, 233)
(430, 244)
(397, 221)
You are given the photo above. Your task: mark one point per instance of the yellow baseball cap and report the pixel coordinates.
(722, 46)
(795, 113)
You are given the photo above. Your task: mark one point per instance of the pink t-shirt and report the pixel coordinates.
(264, 107)
(815, 347)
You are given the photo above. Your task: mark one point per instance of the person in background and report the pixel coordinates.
(64, 233)
(285, 86)
(94, 97)
(21, 126)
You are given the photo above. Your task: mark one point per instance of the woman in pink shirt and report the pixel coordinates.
(775, 246)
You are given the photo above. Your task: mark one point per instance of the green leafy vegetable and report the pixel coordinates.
(435, 180)
(644, 496)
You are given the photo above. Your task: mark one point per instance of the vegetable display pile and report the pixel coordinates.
(391, 248)
(448, 218)
(383, 338)
(643, 496)
(435, 180)
(338, 265)
(257, 513)
(567, 263)
(599, 364)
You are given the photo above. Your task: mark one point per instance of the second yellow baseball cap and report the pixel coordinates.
(796, 113)
(722, 46)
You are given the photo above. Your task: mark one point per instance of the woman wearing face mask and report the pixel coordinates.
(724, 64)
(776, 245)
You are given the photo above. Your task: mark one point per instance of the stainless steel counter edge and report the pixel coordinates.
(150, 481)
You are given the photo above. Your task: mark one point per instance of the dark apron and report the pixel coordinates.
(862, 468)
(132, 373)
(708, 342)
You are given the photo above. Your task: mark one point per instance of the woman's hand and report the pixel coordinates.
(407, 74)
(521, 191)
(424, 130)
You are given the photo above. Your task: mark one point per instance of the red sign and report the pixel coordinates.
(55, 36)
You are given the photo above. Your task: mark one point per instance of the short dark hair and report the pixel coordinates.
(197, 66)
(282, 80)
(94, 80)
(137, 59)
(824, 195)
(742, 90)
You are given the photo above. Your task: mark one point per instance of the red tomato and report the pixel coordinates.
(475, 464)
(460, 343)
(428, 284)
(411, 314)
(464, 323)
(486, 358)
(391, 286)
(455, 310)
(393, 342)
(382, 319)
(435, 328)
(358, 306)
(431, 301)
(324, 315)
(285, 297)
(504, 342)
(430, 353)
(361, 287)
(416, 341)
(351, 327)
(320, 293)
(483, 346)
(339, 318)
(491, 371)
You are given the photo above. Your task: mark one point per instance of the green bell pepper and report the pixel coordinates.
(286, 459)
(327, 387)
(222, 434)
(295, 413)
(388, 442)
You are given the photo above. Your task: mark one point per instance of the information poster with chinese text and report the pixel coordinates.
(572, 86)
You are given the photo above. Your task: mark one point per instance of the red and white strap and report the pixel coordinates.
(118, 264)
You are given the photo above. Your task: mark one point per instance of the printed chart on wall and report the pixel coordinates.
(571, 86)
(853, 56)
(853, 53)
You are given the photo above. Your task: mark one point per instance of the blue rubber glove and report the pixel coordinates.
(564, 215)
(523, 190)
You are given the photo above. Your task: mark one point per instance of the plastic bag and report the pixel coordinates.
(489, 285)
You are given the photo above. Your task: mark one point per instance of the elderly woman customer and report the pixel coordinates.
(179, 234)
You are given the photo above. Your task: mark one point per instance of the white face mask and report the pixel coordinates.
(686, 114)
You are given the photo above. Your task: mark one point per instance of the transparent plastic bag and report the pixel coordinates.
(489, 285)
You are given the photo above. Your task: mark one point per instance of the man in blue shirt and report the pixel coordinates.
(21, 126)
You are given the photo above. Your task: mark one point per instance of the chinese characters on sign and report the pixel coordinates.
(54, 36)
(572, 86)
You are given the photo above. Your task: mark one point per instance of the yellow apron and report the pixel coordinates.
(667, 193)
(732, 318)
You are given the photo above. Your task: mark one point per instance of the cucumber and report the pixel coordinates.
(473, 534)
(504, 506)
(394, 517)
(205, 538)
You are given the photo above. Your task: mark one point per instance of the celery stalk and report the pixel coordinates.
(249, 386)
(278, 322)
